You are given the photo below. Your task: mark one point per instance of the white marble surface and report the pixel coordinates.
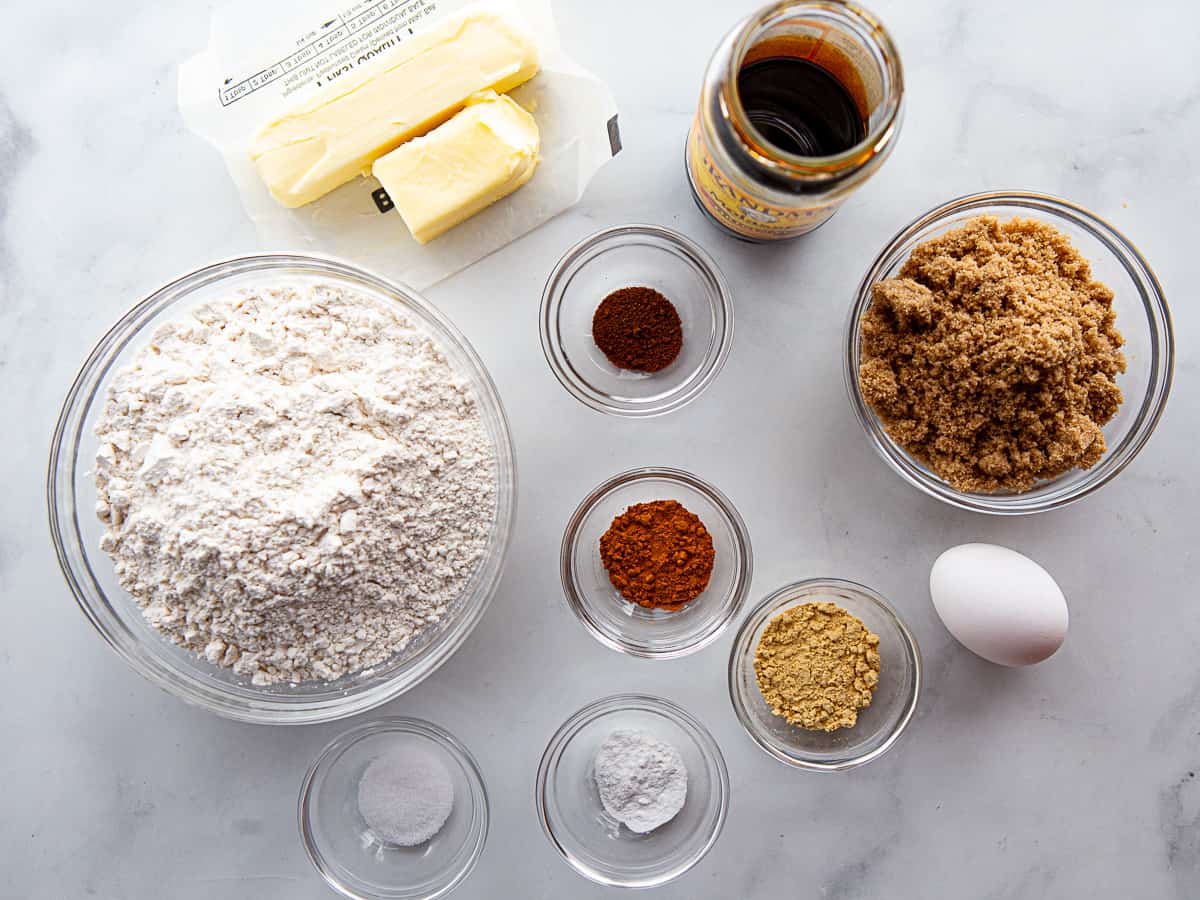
(1071, 779)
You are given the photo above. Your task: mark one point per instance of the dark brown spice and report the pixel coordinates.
(658, 555)
(638, 328)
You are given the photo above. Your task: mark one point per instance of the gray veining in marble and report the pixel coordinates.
(1077, 778)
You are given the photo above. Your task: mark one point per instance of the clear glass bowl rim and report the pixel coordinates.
(402, 725)
(566, 563)
(72, 556)
(552, 297)
(741, 647)
(589, 714)
(1162, 355)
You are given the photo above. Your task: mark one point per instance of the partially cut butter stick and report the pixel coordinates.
(335, 135)
(484, 153)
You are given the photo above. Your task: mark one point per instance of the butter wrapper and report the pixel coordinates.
(263, 56)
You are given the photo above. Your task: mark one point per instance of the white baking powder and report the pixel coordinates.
(294, 482)
(642, 781)
(406, 795)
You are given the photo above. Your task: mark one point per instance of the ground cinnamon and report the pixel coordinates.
(638, 328)
(658, 555)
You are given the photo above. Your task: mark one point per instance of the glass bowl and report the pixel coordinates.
(879, 726)
(71, 496)
(633, 629)
(1142, 317)
(635, 256)
(592, 842)
(350, 856)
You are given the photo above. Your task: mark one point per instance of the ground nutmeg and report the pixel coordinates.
(638, 328)
(658, 555)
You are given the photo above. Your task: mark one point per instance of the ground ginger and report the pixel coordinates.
(817, 666)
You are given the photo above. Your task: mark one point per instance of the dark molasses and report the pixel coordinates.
(799, 107)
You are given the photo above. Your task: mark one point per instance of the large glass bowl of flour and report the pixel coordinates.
(77, 532)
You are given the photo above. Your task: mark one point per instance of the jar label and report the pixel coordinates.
(742, 212)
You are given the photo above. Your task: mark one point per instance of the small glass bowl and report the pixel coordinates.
(592, 842)
(1142, 317)
(635, 256)
(633, 629)
(350, 857)
(75, 530)
(879, 725)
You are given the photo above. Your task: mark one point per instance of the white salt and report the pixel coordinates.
(406, 795)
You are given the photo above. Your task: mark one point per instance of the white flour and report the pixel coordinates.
(642, 781)
(294, 481)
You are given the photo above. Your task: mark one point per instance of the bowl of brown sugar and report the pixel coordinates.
(636, 320)
(1009, 353)
(656, 563)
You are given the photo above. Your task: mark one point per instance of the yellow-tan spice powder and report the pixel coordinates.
(817, 666)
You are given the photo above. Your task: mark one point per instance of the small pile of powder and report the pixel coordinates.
(642, 781)
(658, 555)
(638, 328)
(993, 357)
(406, 795)
(817, 666)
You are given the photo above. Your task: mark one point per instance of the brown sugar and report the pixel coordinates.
(992, 358)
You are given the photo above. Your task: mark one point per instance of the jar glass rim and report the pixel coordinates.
(868, 27)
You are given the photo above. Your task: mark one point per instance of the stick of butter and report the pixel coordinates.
(484, 153)
(327, 140)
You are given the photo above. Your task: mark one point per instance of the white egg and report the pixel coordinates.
(999, 604)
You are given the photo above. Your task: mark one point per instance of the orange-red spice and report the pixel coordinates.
(658, 555)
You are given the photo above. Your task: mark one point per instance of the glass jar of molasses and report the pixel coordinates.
(801, 104)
